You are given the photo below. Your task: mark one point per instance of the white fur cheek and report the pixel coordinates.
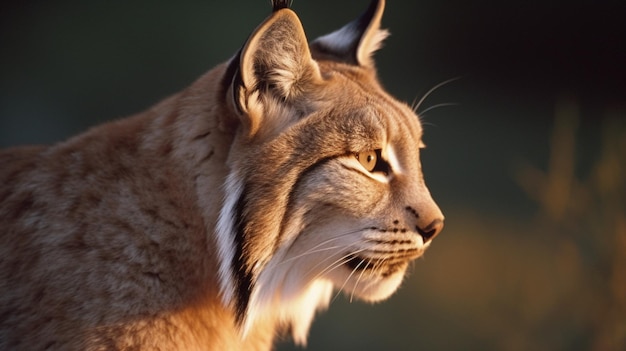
(233, 188)
(287, 289)
(288, 298)
(301, 317)
(382, 289)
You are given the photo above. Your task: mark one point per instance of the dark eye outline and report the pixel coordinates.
(380, 164)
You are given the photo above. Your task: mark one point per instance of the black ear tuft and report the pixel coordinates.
(355, 42)
(280, 4)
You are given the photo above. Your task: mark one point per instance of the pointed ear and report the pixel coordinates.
(356, 42)
(275, 65)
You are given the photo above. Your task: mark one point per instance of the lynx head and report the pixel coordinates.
(325, 187)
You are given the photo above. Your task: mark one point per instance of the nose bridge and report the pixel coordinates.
(420, 211)
(423, 213)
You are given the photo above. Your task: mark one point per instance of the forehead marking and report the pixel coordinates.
(393, 118)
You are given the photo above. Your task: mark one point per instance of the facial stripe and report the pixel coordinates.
(292, 196)
(243, 276)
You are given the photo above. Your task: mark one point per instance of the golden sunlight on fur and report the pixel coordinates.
(226, 214)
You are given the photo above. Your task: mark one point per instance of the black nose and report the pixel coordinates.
(431, 231)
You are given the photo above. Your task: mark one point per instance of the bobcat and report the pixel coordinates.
(227, 213)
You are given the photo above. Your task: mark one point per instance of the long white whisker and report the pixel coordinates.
(338, 263)
(372, 282)
(378, 267)
(356, 284)
(437, 106)
(320, 263)
(419, 103)
(348, 278)
(314, 248)
(414, 104)
(327, 267)
(309, 252)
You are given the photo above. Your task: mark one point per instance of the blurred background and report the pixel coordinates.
(526, 151)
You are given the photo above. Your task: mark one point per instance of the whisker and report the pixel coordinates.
(378, 266)
(419, 103)
(338, 263)
(348, 278)
(328, 267)
(414, 104)
(316, 248)
(309, 252)
(320, 263)
(356, 284)
(437, 106)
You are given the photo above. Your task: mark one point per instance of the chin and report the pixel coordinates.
(370, 284)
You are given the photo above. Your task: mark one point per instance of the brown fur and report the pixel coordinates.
(112, 216)
(113, 239)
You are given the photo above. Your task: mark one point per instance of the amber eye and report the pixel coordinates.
(368, 159)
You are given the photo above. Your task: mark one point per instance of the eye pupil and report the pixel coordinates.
(368, 159)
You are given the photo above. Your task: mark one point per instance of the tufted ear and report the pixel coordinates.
(355, 42)
(275, 65)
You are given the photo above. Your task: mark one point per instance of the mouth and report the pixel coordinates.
(383, 267)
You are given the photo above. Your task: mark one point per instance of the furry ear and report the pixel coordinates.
(356, 42)
(275, 65)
